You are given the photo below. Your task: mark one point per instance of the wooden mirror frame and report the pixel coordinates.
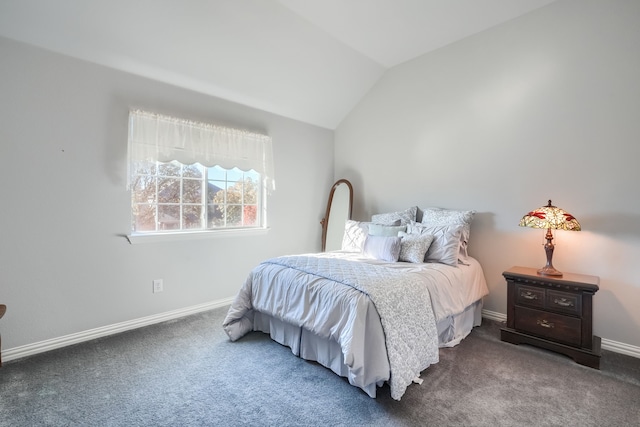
(325, 221)
(3, 309)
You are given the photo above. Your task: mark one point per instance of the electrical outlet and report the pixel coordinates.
(158, 286)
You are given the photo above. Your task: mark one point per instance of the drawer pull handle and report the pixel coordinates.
(563, 302)
(545, 324)
(528, 295)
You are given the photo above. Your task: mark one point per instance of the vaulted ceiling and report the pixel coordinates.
(310, 60)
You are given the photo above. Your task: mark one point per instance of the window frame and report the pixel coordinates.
(153, 174)
(195, 235)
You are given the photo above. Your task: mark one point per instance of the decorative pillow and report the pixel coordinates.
(386, 230)
(445, 247)
(436, 216)
(384, 248)
(355, 233)
(413, 247)
(405, 216)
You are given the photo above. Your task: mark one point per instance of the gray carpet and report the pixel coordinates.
(186, 373)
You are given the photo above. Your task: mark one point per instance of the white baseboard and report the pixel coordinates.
(615, 346)
(54, 343)
(620, 347)
(493, 315)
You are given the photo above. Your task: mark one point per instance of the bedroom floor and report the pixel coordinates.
(187, 373)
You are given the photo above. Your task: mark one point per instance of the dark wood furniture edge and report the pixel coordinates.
(582, 356)
(581, 281)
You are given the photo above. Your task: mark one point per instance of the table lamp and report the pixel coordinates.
(551, 218)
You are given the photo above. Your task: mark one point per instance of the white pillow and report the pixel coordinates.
(355, 233)
(413, 247)
(384, 248)
(405, 216)
(437, 216)
(445, 247)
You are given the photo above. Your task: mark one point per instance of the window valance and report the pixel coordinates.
(155, 137)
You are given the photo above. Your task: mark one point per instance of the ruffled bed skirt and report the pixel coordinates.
(327, 351)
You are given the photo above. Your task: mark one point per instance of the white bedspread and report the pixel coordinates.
(329, 293)
(452, 289)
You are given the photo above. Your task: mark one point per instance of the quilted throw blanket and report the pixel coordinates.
(401, 299)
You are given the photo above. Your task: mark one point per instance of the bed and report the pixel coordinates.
(379, 309)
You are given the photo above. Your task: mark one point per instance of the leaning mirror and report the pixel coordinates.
(339, 210)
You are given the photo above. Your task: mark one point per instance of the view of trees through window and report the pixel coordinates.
(177, 197)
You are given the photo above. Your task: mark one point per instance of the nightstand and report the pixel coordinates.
(552, 312)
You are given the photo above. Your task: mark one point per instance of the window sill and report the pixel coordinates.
(194, 235)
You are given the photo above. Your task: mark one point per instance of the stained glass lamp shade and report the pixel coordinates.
(550, 218)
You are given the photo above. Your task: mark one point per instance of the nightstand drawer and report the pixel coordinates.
(530, 296)
(552, 326)
(564, 302)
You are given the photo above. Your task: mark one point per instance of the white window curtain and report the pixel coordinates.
(155, 137)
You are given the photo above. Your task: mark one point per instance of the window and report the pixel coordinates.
(176, 197)
(187, 176)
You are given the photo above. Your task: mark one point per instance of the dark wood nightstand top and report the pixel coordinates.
(567, 279)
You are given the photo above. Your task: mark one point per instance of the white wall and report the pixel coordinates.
(543, 107)
(64, 267)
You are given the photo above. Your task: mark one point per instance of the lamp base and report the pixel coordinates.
(548, 270)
